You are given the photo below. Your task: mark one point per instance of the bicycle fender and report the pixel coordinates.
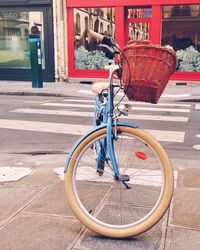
(133, 125)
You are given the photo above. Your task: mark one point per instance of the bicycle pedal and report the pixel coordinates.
(126, 184)
(124, 177)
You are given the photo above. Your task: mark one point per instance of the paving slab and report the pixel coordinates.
(151, 240)
(184, 164)
(185, 208)
(39, 232)
(43, 176)
(182, 239)
(189, 178)
(12, 200)
(51, 202)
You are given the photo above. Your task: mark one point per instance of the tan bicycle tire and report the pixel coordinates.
(150, 221)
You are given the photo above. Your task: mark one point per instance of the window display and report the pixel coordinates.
(87, 53)
(180, 30)
(15, 28)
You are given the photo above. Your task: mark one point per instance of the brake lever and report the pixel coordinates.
(112, 49)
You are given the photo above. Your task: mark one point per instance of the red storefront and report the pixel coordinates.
(167, 22)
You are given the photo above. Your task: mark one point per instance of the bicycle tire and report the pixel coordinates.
(95, 219)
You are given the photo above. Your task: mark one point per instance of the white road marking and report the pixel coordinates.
(197, 106)
(73, 129)
(77, 129)
(91, 114)
(162, 96)
(132, 103)
(198, 135)
(175, 95)
(170, 136)
(71, 105)
(13, 173)
(86, 92)
(196, 147)
(146, 177)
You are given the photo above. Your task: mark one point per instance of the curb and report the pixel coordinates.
(24, 93)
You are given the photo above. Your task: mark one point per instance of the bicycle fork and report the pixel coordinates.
(111, 137)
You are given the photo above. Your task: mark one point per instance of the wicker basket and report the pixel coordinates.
(146, 70)
(138, 42)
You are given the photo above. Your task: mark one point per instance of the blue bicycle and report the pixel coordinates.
(118, 178)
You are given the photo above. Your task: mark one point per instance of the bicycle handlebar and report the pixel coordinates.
(107, 43)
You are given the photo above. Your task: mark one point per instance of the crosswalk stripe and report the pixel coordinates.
(76, 129)
(61, 128)
(91, 114)
(197, 106)
(175, 95)
(82, 91)
(89, 92)
(133, 103)
(71, 105)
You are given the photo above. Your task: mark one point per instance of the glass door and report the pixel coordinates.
(15, 28)
(138, 23)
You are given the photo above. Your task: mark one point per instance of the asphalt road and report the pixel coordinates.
(51, 125)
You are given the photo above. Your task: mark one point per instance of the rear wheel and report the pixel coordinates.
(111, 207)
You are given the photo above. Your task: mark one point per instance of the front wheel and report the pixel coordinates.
(109, 207)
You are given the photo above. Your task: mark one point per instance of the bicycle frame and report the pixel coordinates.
(104, 106)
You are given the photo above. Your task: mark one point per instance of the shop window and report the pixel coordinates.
(138, 31)
(180, 30)
(138, 21)
(108, 29)
(87, 53)
(90, 21)
(96, 25)
(101, 28)
(139, 12)
(77, 25)
(14, 38)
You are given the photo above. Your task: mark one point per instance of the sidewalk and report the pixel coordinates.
(34, 213)
(173, 92)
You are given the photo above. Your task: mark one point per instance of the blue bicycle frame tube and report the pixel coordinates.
(110, 135)
(100, 117)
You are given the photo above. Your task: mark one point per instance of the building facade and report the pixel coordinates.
(172, 23)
